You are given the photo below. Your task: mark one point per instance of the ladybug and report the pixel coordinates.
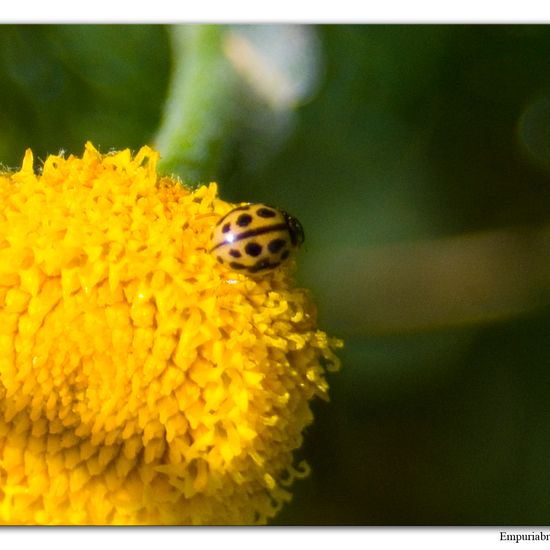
(255, 238)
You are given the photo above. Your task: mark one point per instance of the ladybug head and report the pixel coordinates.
(295, 229)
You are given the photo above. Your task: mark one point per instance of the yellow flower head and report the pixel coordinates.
(140, 381)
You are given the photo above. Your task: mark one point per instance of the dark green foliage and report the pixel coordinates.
(65, 84)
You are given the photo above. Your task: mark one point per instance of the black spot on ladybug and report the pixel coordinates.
(275, 245)
(244, 220)
(285, 254)
(266, 213)
(226, 228)
(235, 253)
(253, 249)
(239, 208)
(237, 265)
(261, 265)
(220, 259)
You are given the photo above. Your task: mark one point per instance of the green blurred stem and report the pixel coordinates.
(201, 99)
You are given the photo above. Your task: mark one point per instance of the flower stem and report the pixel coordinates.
(201, 100)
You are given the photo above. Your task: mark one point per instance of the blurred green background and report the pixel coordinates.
(418, 160)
